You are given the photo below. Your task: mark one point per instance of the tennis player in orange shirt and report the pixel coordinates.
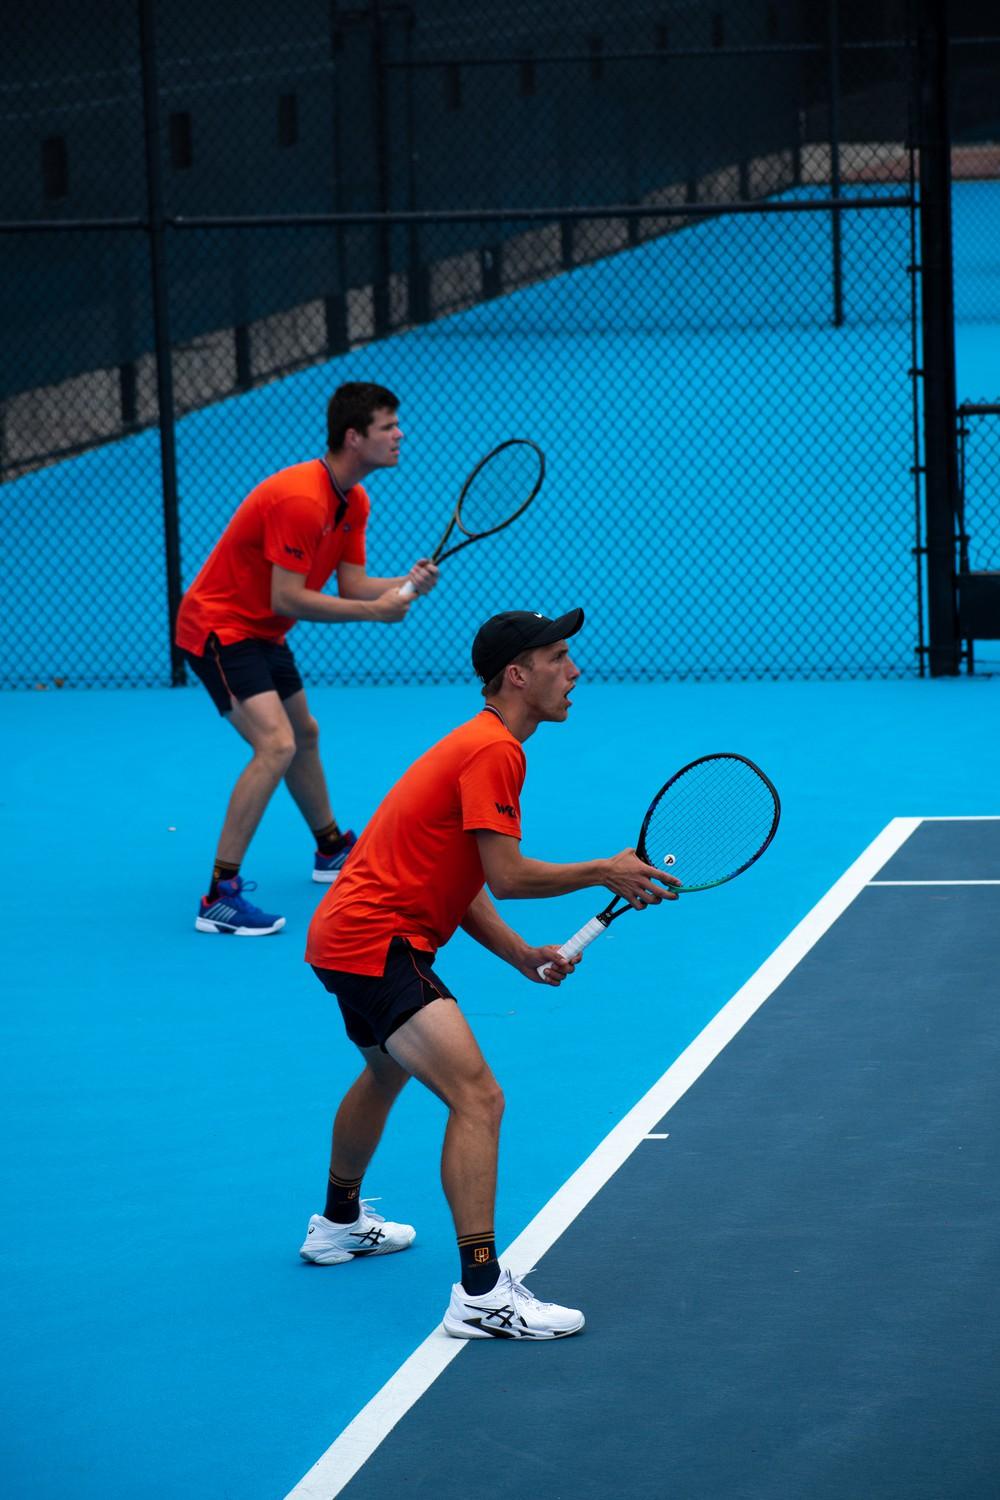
(266, 572)
(450, 827)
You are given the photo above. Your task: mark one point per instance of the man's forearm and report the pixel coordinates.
(371, 588)
(529, 878)
(483, 922)
(310, 604)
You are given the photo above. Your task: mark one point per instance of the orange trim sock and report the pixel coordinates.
(480, 1267)
(221, 871)
(343, 1199)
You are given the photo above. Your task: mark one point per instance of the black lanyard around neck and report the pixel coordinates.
(339, 494)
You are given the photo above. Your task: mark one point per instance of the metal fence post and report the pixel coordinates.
(381, 300)
(938, 337)
(161, 327)
(836, 227)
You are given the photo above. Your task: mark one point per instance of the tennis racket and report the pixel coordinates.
(711, 821)
(499, 489)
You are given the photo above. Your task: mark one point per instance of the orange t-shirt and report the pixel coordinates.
(289, 519)
(416, 868)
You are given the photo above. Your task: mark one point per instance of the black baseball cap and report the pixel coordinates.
(505, 636)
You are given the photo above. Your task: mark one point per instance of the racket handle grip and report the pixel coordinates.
(407, 591)
(576, 944)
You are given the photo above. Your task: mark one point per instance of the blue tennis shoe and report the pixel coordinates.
(327, 867)
(232, 915)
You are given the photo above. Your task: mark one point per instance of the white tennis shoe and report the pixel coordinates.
(509, 1311)
(329, 1244)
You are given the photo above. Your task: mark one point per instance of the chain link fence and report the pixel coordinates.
(976, 169)
(673, 243)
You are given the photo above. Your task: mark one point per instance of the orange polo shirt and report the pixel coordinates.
(291, 520)
(416, 869)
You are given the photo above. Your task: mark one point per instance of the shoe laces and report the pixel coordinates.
(240, 888)
(521, 1291)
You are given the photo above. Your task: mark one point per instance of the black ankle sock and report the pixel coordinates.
(221, 871)
(480, 1267)
(343, 1201)
(328, 839)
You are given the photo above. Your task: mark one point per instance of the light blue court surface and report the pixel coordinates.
(168, 1097)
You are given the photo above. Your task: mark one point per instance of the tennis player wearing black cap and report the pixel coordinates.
(448, 829)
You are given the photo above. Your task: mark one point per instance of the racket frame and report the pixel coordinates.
(441, 551)
(474, 536)
(618, 905)
(709, 885)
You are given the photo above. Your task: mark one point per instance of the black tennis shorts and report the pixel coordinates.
(374, 1006)
(245, 669)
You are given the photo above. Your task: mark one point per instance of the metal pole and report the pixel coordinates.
(836, 226)
(380, 102)
(161, 328)
(419, 270)
(335, 302)
(938, 338)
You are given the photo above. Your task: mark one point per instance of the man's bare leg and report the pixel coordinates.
(264, 724)
(364, 1110)
(304, 776)
(437, 1047)
(346, 1229)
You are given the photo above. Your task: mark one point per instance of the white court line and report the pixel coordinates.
(934, 882)
(374, 1422)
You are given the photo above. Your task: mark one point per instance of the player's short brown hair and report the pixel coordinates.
(491, 688)
(354, 405)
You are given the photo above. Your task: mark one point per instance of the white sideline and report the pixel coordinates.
(374, 1422)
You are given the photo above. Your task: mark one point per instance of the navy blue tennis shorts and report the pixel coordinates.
(374, 1006)
(245, 669)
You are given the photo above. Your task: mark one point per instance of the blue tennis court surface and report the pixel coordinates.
(793, 1293)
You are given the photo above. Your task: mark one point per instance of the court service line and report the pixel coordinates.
(358, 1441)
(934, 882)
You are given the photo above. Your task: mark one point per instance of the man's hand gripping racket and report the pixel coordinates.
(499, 489)
(711, 821)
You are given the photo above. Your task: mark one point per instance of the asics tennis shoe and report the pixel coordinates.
(232, 915)
(509, 1311)
(329, 1244)
(326, 867)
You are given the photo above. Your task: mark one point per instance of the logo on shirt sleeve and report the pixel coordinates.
(505, 807)
(295, 552)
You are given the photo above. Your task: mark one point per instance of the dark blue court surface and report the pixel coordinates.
(794, 1294)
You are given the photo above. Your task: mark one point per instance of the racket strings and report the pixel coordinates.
(714, 819)
(500, 488)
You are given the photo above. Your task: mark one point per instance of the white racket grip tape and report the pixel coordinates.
(576, 944)
(407, 590)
